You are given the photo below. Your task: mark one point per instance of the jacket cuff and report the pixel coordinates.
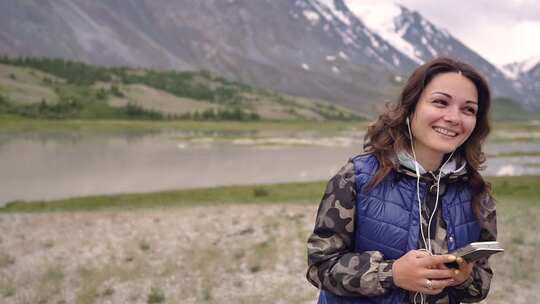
(385, 274)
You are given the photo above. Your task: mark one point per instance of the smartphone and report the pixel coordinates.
(475, 251)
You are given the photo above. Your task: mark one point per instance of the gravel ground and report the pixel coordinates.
(221, 254)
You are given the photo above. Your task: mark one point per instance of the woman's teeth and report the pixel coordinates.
(445, 132)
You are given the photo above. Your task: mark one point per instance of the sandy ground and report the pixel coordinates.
(222, 254)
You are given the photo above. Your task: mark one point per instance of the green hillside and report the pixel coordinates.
(60, 89)
(506, 109)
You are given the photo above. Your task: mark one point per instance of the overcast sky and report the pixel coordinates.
(502, 31)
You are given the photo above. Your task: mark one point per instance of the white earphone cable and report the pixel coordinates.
(430, 249)
(422, 296)
(427, 242)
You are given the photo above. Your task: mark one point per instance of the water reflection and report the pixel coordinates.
(513, 166)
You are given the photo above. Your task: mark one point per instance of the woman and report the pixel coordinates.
(389, 216)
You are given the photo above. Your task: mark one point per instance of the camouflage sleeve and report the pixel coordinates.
(476, 288)
(333, 266)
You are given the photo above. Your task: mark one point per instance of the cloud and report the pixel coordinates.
(503, 44)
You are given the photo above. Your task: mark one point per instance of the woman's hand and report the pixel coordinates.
(419, 271)
(463, 273)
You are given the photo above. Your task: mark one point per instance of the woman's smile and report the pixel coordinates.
(445, 132)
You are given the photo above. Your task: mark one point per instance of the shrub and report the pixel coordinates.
(156, 295)
(144, 245)
(260, 192)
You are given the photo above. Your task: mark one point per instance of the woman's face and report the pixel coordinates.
(445, 115)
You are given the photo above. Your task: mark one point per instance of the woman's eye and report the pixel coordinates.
(470, 110)
(440, 102)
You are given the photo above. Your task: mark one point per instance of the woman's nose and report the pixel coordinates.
(452, 116)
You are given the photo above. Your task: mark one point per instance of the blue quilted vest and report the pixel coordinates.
(387, 220)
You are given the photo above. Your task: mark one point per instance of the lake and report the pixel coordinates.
(43, 165)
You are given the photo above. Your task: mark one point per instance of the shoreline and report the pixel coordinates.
(514, 187)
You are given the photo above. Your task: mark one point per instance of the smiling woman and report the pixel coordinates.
(444, 118)
(390, 216)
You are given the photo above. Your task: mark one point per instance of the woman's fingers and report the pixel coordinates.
(464, 265)
(436, 260)
(441, 284)
(439, 273)
(416, 268)
(464, 271)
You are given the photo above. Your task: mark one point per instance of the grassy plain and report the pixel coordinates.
(220, 245)
(501, 131)
(523, 187)
(15, 124)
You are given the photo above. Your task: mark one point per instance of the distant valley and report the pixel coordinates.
(59, 89)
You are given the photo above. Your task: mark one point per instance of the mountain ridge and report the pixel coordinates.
(314, 48)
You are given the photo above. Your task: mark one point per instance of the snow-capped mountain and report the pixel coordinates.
(384, 19)
(516, 69)
(512, 70)
(337, 50)
(526, 75)
(421, 40)
(531, 80)
(334, 18)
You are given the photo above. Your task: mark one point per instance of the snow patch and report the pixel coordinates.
(427, 27)
(323, 10)
(395, 60)
(530, 63)
(343, 55)
(330, 58)
(431, 50)
(445, 33)
(312, 16)
(305, 66)
(347, 39)
(381, 19)
(339, 14)
(515, 69)
(372, 39)
(506, 170)
(329, 12)
(335, 69)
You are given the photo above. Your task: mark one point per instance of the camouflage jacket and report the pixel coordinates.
(335, 267)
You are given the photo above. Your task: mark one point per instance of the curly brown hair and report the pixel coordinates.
(389, 133)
